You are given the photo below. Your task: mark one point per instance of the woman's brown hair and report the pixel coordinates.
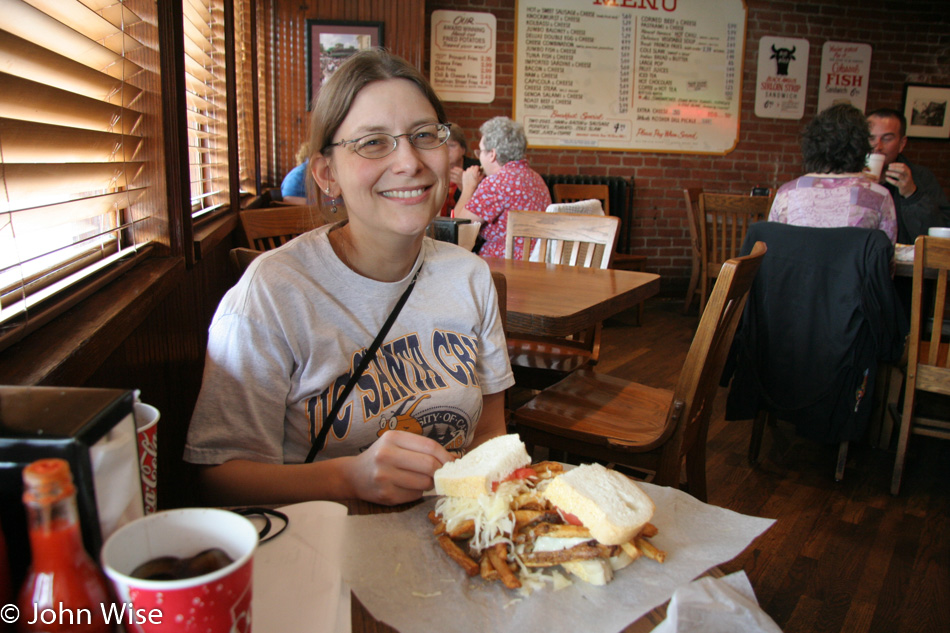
(337, 95)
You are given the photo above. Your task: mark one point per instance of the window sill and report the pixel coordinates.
(211, 232)
(70, 348)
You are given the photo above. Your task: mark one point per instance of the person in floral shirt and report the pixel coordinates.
(508, 183)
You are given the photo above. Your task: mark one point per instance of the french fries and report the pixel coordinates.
(498, 556)
(455, 553)
(532, 517)
(649, 550)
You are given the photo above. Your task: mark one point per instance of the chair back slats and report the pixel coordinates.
(691, 196)
(562, 234)
(936, 330)
(927, 347)
(564, 192)
(724, 220)
(266, 229)
(693, 219)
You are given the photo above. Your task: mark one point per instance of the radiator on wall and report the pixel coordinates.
(621, 199)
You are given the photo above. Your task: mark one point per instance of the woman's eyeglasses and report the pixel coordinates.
(380, 144)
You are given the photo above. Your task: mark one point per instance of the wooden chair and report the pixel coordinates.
(725, 220)
(807, 351)
(574, 240)
(928, 361)
(608, 419)
(241, 258)
(265, 229)
(563, 192)
(695, 241)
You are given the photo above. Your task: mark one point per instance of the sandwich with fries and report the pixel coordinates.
(504, 518)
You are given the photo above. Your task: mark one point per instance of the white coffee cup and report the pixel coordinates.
(874, 164)
(939, 231)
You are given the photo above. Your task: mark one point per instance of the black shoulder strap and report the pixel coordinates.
(364, 363)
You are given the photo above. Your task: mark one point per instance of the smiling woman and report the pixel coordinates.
(291, 337)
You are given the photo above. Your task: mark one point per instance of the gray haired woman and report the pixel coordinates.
(508, 183)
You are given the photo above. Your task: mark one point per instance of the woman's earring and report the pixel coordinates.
(333, 201)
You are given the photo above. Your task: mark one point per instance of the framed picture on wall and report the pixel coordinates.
(926, 110)
(330, 43)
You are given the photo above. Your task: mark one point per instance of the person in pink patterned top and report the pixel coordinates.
(508, 183)
(835, 192)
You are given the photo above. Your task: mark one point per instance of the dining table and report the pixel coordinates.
(555, 300)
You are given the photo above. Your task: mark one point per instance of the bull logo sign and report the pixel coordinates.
(782, 57)
(781, 84)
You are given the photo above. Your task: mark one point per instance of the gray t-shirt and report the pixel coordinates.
(288, 335)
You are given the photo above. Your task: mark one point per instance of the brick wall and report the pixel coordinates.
(910, 43)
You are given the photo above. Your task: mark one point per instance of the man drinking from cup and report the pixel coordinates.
(918, 197)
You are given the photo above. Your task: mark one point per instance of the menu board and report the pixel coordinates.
(647, 75)
(463, 56)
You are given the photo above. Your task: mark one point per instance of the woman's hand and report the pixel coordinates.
(397, 468)
(470, 178)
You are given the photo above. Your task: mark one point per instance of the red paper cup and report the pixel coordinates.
(218, 602)
(146, 424)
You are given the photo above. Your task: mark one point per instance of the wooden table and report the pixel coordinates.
(554, 300)
(363, 622)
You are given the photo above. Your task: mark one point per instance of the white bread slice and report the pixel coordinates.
(473, 474)
(609, 504)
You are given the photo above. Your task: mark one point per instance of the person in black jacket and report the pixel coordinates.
(918, 197)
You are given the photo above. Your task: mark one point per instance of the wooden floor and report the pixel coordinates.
(843, 556)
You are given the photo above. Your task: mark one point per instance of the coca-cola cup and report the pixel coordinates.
(146, 425)
(215, 602)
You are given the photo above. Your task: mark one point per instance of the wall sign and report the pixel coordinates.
(463, 56)
(781, 78)
(648, 75)
(845, 69)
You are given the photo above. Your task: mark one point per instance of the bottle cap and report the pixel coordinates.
(47, 481)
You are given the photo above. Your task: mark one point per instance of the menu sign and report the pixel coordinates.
(649, 75)
(463, 56)
(844, 74)
(781, 78)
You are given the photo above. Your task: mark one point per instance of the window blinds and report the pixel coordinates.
(246, 79)
(72, 159)
(206, 99)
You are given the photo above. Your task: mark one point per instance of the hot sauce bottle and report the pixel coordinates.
(64, 589)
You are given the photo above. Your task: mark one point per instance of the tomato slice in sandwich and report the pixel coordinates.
(569, 518)
(518, 473)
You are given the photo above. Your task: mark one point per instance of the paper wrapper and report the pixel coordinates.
(297, 585)
(401, 575)
(716, 605)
